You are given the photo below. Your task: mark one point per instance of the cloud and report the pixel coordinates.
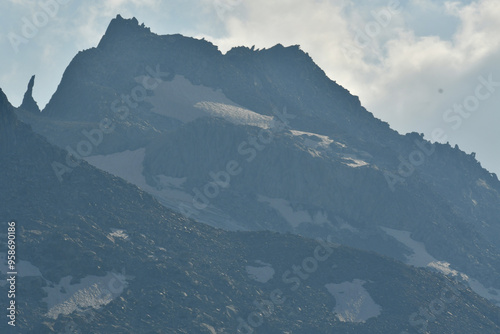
(404, 73)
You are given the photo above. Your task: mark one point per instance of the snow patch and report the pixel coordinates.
(170, 182)
(314, 140)
(93, 291)
(353, 302)
(297, 217)
(235, 114)
(444, 267)
(482, 183)
(353, 161)
(321, 145)
(491, 294)
(317, 145)
(294, 217)
(181, 100)
(23, 269)
(421, 258)
(117, 233)
(343, 225)
(126, 165)
(209, 328)
(262, 274)
(169, 191)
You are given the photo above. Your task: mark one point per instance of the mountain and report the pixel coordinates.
(173, 115)
(98, 255)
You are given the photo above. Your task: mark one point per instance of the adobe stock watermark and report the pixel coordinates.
(222, 7)
(365, 37)
(121, 108)
(46, 10)
(454, 118)
(293, 278)
(248, 149)
(11, 274)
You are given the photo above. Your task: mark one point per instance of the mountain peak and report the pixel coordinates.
(29, 103)
(120, 27)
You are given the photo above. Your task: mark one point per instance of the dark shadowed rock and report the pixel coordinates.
(8, 122)
(29, 103)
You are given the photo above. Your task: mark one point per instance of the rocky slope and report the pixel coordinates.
(97, 255)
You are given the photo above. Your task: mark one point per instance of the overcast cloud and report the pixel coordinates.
(409, 63)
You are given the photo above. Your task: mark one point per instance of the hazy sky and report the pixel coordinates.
(420, 65)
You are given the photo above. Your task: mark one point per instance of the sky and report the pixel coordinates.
(426, 66)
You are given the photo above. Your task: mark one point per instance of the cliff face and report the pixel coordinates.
(332, 168)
